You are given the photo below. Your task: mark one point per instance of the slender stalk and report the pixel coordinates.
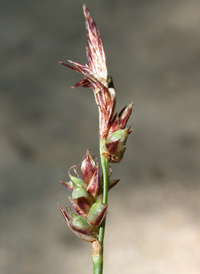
(104, 164)
(97, 255)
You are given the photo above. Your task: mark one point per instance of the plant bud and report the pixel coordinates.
(97, 213)
(88, 167)
(94, 184)
(82, 198)
(82, 228)
(79, 225)
(125, 114)
(115, 143)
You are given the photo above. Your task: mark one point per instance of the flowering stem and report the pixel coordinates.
(98, 252)
(90, 195)
(104, 164)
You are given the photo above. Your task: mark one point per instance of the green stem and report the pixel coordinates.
(97, 251)
(105, 166)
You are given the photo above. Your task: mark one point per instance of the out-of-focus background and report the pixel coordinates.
(153, 54)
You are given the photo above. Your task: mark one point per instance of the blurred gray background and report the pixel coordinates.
(153, 54)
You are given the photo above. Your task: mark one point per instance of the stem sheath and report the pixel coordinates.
(97, 257)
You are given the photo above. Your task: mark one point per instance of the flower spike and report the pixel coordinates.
(89, 197)
(96, 77)
(86, 199)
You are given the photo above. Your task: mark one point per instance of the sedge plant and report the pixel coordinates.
(89, 197)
